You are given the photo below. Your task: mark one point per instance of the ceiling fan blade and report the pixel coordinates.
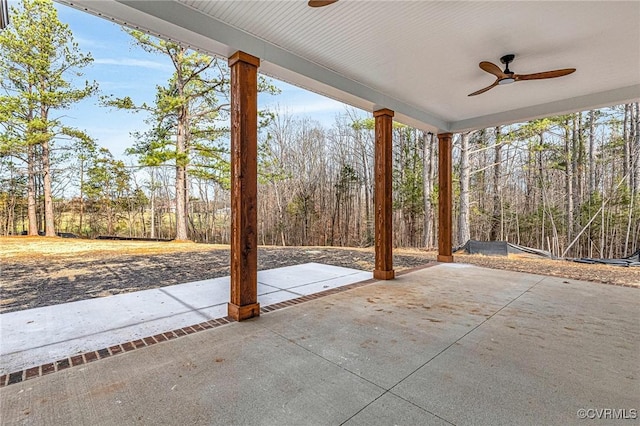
(546, 74)
(495, 83)
(320, 3)
(492, 69)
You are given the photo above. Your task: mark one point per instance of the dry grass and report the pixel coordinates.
(19, 248)
(38, 272)
(606, 274)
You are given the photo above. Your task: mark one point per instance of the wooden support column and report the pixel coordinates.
(244, 186)
(382, 199)
(445, 197)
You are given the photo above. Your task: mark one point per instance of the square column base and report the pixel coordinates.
(445, 259)
(379, 274)
(240, 313)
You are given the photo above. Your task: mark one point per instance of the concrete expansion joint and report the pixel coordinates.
(390, 390)
(467, 333)
(91, 356)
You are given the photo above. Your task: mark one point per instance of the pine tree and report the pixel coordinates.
(185, 118)
(38, 63)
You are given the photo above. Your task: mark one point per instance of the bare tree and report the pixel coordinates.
(464, 231)
(428, 170)
(496, 220)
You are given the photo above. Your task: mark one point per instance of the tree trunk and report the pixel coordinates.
(541, 184)
(281, 214)
(367, 199)
(496, 221)
(10, 228)
(592, 137)
(182, 154)
(48, 195)
(428, 166)
(626, 144)
(636, 150)
(483, 230)
(31, 191)
(464, 232)
(579, 154)
(568, 190)
(109, 209)
(181, 179)
(530, 193)
(81, 194)
(153, 205)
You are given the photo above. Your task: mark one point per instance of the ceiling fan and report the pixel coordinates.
(507, 76)
(320, 3)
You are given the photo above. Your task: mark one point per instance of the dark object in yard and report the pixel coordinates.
(59, 234)
(633, 260)
(113, 237)
(487, 248)
(40, 233)
(67, 235)
(500, 248)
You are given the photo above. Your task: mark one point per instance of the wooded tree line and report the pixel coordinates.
(568, 184)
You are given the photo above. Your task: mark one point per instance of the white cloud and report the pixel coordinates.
(91, 43)
(130, 62)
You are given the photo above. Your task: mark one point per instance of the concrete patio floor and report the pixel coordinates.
(33, 337)
(449, 344)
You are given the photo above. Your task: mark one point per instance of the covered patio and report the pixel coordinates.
(414, 62)
(448, 344)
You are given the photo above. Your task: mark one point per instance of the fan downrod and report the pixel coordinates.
(506, 60)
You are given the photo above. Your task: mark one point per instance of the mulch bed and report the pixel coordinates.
(36, 283)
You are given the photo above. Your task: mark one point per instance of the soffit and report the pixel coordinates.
(418, 58)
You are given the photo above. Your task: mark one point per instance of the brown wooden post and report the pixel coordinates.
(445, 197)
(382, 201)
(244, 186)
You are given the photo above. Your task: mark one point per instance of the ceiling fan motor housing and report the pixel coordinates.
(506, 59)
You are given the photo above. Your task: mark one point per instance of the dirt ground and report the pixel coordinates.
(38, 271)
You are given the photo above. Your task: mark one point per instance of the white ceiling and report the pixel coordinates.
(418, 58)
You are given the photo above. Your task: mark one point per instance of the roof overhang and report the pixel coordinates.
(417, 58)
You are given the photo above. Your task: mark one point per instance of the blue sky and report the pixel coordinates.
(122, 69)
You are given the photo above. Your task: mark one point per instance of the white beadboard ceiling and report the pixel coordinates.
(418, 58)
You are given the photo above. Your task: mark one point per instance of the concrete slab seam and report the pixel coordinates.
(384, 391)
(390, 390)
(417, 406)
(465, 335)
(85, 358)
